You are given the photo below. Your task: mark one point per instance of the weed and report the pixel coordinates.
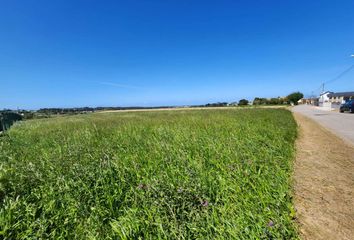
(201, 174)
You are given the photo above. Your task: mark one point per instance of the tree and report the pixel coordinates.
(218, 104)
(294, 97)
(243, 102)
(274, 101)
(259, 101)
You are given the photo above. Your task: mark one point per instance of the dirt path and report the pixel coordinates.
(324, 183)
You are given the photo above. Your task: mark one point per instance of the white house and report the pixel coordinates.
(340, 97)
(331, 101)
(324, 98)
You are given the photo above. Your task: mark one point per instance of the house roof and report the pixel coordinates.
(326, 92)
(341, 94)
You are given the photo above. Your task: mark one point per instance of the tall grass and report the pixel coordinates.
(203, 174)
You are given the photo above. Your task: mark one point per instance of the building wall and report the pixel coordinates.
(330, 105)
(337, 99)
(323, 98)
(340, 99)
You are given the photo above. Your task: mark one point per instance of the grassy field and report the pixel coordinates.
(197, 174)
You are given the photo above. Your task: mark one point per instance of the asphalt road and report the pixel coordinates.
(341, 124)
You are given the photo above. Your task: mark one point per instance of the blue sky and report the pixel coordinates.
(63, 53)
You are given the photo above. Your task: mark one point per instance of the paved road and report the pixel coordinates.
(342, 124)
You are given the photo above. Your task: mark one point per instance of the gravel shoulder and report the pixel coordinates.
(323, 182)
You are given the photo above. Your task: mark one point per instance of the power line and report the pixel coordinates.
(321, 87)
(340, 75)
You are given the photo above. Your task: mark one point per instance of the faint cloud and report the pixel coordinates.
(119, 85)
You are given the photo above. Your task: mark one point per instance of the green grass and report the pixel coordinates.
(196, 174)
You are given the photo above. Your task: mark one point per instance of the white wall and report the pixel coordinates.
(324, 98)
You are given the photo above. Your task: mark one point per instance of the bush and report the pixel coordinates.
(243, 102)
(294, 97)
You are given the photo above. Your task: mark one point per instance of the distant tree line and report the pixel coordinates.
(270, 101)
(47, 112)
(243, 102)
(56, 111)
(218, 104)
(51, 111)
(291, 98)
(224, 104)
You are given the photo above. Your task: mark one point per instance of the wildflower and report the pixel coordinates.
(142, 186)
(271, 223)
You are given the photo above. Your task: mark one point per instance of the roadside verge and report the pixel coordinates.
(323, 182)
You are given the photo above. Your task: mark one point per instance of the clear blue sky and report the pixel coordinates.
(68, 53)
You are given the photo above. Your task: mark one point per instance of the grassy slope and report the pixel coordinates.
(203, 174)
